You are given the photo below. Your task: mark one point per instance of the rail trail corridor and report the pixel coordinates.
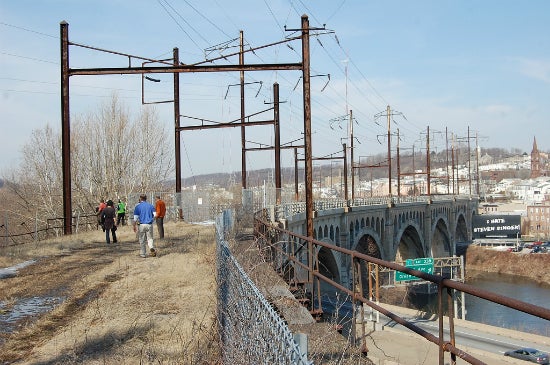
(83, 301)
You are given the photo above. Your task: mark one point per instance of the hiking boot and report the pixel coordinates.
(153, 252)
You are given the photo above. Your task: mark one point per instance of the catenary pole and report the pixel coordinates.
(65, 128)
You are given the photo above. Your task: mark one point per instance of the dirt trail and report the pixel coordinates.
(116, 307)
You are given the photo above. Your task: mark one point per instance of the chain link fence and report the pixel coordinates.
(251, 331)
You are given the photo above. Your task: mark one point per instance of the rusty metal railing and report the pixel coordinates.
(292, 247)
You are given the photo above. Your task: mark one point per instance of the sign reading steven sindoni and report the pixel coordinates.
(496, 226)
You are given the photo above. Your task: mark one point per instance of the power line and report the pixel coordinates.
(29, 30)
(29, 58)
(179, 25)
(207, 19)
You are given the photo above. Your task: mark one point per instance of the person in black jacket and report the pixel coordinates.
(109, 221)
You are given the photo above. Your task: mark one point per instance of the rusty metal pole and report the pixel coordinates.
(346, 193)
(441, 324)
(351, 156)
(398, 167)
(447, 160)
(296, 194)
(451, 315)
(276, 118)
(65, 128)
(177, 140)
(306, 73)
(428, 163)
(469, 165)
(454, 163)
(243, 128)
(388, 112)
(477, 168)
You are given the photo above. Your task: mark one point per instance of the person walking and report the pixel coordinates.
(99, 213)
(160, 209)
(109, 224)
(144, 213)
(121, 212)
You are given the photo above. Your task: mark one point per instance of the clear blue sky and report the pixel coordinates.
(454, 64)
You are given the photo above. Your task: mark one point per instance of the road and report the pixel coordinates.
(487, 343)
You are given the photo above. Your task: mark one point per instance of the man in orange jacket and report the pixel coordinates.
(160, 209)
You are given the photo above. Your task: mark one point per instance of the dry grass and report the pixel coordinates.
(532, 266)
(118, 308)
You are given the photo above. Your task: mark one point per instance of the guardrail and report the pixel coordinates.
(28, 231)
(297, 251)
(288, 209)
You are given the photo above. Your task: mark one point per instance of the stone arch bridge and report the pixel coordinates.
(392, 230)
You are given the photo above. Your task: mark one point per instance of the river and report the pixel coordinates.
(480, 310)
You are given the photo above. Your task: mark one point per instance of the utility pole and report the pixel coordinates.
(351, 152)
(296, 194)
(428, 163)
(398, 167)
(177, 146)
(477, 167)
(306, 86)
(469, 164)
(414, 174)
(65, 128)
(243, 128)
(447, 159)
(388, 112)
(345, 173)
(276, 118)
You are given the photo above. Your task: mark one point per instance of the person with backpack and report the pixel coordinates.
(99, 213)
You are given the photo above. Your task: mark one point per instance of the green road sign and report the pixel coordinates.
(425, 264)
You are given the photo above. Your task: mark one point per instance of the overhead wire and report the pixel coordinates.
(178, 24)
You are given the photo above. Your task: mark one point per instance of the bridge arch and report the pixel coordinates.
(328, 263)
(441, 239)
(368, 244)
(409, 243)
(461, 231)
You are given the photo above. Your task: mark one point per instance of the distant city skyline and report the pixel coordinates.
(443, 64)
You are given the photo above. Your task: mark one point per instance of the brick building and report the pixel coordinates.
(538, 220)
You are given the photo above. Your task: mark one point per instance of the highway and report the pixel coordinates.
(469, 336)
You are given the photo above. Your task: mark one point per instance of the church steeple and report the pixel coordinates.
(535, 149)
(535, 160)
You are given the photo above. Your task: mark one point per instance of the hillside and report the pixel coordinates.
(324, 170)
(533, 266)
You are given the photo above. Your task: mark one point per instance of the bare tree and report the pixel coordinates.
(112, 156)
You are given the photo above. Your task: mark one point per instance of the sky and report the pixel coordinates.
(462, 68)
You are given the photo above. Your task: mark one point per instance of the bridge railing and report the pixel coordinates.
(288, 208)
(251, 331)
(294, 257)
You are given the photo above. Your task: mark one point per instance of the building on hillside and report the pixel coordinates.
(538, 220)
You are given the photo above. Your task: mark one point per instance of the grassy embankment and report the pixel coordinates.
(533, 266)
